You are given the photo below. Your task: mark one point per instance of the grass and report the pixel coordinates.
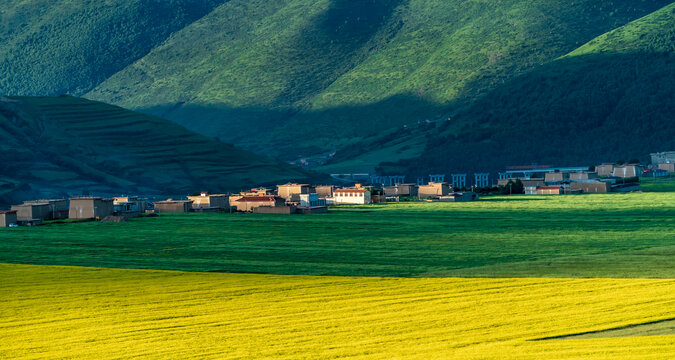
(67, 144)
(297, 67)
(658, 184)
(613, 235)
(66, 312)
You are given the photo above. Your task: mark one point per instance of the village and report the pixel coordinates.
(359, 189)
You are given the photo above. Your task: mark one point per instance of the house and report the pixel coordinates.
(58, 208)
(592, 187)
(210, 201)
(37, 212)
(248, 203)
(7, 218)
(531, 189)
(173, 206)
(550, 190)
(656, 172)
(129, 204)
(669, 167)
(281, 210)
(260, 191)
(626, 171)
(526, 182)
(459, 197)
(325, 191)
(401, 190)
(554, 177)
(312, 200)
(359, 196)
(605, 169)
(434, 189)
(90, 208)
(291, 192)
(583, 176)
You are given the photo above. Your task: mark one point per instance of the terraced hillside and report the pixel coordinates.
(55, 146)
(316, 75)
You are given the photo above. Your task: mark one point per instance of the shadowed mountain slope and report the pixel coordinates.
(613, 98)
(67, 145)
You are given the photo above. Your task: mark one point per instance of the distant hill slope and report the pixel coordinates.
(311, 76)
(54, 146)
(70, 46)
(613, 98)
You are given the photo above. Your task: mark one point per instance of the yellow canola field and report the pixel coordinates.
(50, 312)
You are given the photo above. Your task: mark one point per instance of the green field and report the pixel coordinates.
(613, 235)
(84, 313)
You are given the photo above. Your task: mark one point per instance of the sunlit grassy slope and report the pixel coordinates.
(62, 312)
(70, 46)
(50, 146)
(298, 68)
(573, 236)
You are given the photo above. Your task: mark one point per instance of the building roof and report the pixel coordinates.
(7, 211)
(172, 201)
(357, 191)
(260, 199)
(549, 187)
(88, 198)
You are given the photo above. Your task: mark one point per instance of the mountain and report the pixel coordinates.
(612, 98)
(54, 146)
(70, 46)
(294, 78)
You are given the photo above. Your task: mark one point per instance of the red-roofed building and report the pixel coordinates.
(248, 203)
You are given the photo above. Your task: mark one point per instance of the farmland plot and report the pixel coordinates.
(70, 312)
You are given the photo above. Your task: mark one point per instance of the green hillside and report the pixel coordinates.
(65, 145)
(613, 98)
(54, 47)
(313, 76)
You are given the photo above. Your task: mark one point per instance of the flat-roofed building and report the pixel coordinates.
(592, 187)
(129, 204)
(173, 206)
(550, 190)
(210, 201)
(291, 192)
(626, 171)
(356, 196)
(605, 169)
(554, 177)
(401, 190)
(459, 197)
(90, 208)
(325, 191)
(583, 176)
(433, 190)
(669, 167)
(58, 208)
(7, 218)
(248, 203)
(37, 211)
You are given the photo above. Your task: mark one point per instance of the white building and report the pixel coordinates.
(351, 196)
